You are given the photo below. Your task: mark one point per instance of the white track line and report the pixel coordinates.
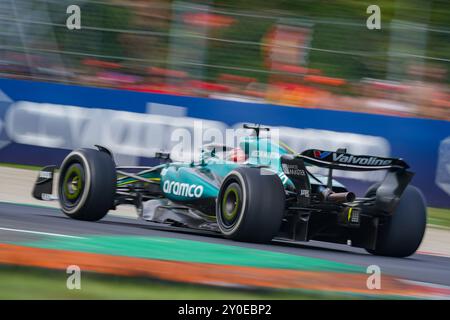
(41, 233)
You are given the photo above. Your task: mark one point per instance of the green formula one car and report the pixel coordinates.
(250, 194)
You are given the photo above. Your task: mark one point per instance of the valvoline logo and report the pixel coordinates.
(321, 154)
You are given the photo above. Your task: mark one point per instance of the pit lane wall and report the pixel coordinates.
(41, 122)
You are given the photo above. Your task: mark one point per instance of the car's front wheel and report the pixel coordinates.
(87, 184)
(250, 205)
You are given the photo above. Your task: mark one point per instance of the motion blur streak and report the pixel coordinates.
(298, 53)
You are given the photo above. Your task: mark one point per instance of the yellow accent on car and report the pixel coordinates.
(131, 181)
(284, 145)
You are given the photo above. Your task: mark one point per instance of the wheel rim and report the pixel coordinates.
(231, 205)
(73, 185)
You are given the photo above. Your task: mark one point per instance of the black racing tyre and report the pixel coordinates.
(87, 184)
(250, 205)
(400, 235)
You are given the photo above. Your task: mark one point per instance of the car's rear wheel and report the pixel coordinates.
(87, 184)
(400, 234)
(250, 205)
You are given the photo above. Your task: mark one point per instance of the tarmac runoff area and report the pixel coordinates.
(37, 236)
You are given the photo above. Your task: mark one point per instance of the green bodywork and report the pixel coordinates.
(188, 181)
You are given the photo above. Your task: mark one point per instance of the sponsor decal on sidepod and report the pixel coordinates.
(183, 189)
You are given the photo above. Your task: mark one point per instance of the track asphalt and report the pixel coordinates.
(27, 224)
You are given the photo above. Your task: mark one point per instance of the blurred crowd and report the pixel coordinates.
(428, 96)
(118, 59)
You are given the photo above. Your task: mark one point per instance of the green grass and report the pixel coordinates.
(439, 217)
(32, 283)
(19, 166)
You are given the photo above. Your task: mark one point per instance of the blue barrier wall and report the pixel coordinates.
(416, 140)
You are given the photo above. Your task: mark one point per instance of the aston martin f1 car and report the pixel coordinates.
(257, 192)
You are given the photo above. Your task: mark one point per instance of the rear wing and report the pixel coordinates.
(389, 190)
(341, 160)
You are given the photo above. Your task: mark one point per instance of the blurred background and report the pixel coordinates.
(313, 54)
(138, 70)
